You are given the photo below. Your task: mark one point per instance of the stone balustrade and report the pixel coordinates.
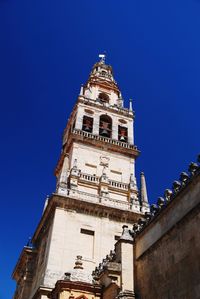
(104, 139)
(97, 102)
(89, 178)
(88, 197)
(118, 185)
(95, 179)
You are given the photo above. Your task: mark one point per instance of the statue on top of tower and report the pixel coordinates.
(103, 58)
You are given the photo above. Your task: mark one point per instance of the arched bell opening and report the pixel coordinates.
(103, 97)
(122, 134)
(87, 124)
(105, 126)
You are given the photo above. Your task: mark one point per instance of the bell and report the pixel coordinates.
(122, 134)
(104, 132)
(87, 125)
(86, 128)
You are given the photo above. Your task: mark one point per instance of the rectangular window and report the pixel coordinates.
(90, 165)
(87, 232)
(87, 243)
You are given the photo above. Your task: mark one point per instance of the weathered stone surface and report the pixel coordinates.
(170, 268)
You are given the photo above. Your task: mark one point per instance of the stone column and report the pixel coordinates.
(63, 177)
(143, 194)
(96, 124)
(65, 170)
(115, 128)
(74, 176)
(130, 132)
(133, 194)
(104, 184)
(124, 253)
(79, 119)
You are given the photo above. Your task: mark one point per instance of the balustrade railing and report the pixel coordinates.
(118, 185)
(96, 179)
(89, 177)
(104, 139)
(88, 197)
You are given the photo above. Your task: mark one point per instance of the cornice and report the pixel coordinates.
(119, 111)
(22, 260)
(103, 143)
(81, 206)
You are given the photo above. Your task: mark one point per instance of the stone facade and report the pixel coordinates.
(159, 258)
(171, 268)
(77, 250)
(96, 193)
(168, 251)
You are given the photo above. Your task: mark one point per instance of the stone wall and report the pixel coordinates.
(78, 234)
(168, 262)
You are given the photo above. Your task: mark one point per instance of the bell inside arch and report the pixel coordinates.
(87, 124)
(105, 127)
(122, 138)
(122, 135)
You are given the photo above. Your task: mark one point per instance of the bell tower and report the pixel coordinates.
(98, 157)
(96, 191)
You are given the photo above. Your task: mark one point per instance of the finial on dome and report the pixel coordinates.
(103, 58)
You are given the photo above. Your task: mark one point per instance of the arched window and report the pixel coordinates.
(104, 98)
(87, 124)
(122, 134)
(105, 126)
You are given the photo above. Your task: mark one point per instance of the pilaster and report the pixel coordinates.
(125, 254)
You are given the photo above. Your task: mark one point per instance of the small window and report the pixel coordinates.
(86, 242)
(105, 127)
(103, 97)
(103, 73)
(87, 232)
(122, 134)
(87, 124)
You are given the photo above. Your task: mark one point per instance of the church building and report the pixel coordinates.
(96, 191)
(98, 238)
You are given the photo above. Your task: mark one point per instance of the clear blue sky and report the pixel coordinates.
(47, 49)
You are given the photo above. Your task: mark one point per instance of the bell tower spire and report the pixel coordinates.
(96, 191)
(100, 128)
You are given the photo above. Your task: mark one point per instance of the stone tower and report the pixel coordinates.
(96, 190)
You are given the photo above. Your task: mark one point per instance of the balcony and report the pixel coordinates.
(119, 185)
(104, 139)
(89, 178)
(106, 106)
(88, 197)
(85, 177)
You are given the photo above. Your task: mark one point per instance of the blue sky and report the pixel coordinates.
(47, 49)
